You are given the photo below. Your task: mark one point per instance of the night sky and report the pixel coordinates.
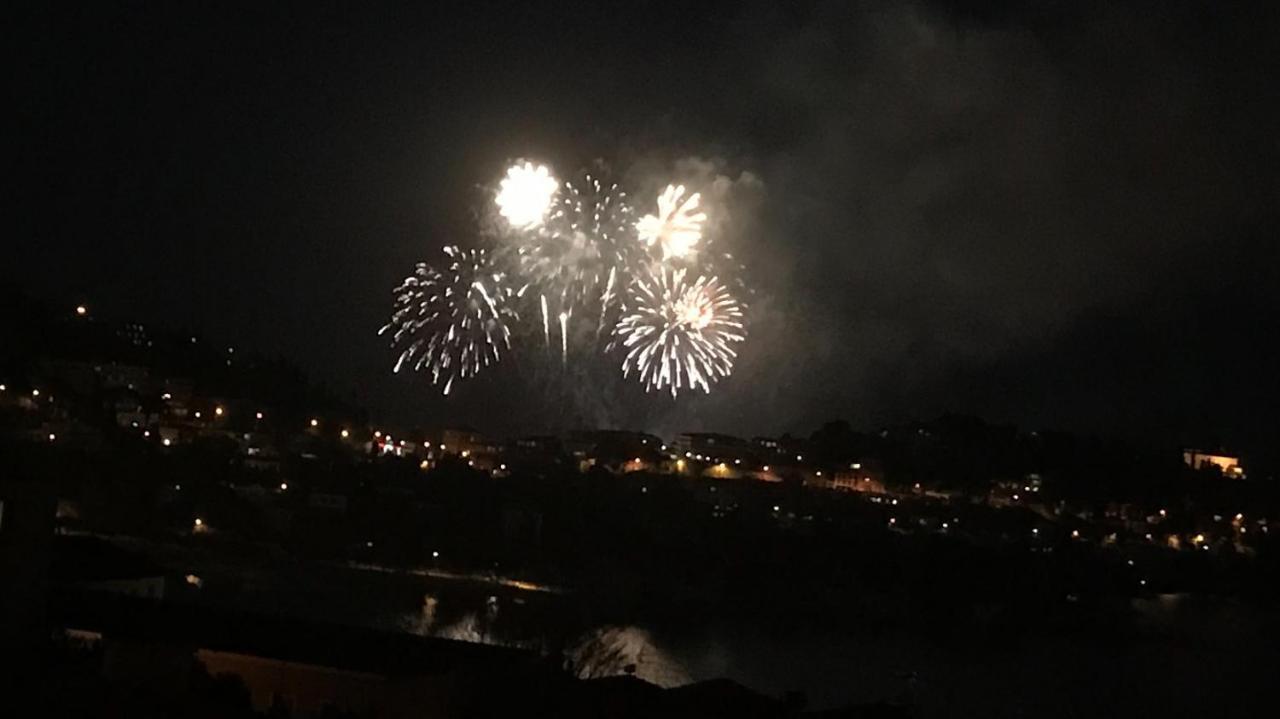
(1060, 214)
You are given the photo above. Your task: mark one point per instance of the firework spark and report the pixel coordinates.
(575, 254)
(572, 262)
(525, 195)
(455, 322)
(679, 335)
(678, 225)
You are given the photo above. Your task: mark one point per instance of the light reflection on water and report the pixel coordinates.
(1185, 651)
(477, 627)
(1188, 655)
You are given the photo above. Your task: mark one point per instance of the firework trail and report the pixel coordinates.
(452, 323)
(679, 335)
(677, 227)
(564, 336)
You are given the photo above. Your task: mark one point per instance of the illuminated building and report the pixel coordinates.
(856, 480)
(1229, 466)
(615, 450)
(717, 448)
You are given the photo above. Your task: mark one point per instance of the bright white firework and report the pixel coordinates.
(526, 194)
(679, 335)
(573, 261)
(678, 224)
(452, 323)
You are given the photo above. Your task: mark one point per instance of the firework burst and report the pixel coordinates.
(455, 322)
(678, 334)
(573, 263)
(576, 256)
(677, 227)
(525, 195)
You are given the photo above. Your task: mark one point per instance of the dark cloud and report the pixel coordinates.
(961, 198)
